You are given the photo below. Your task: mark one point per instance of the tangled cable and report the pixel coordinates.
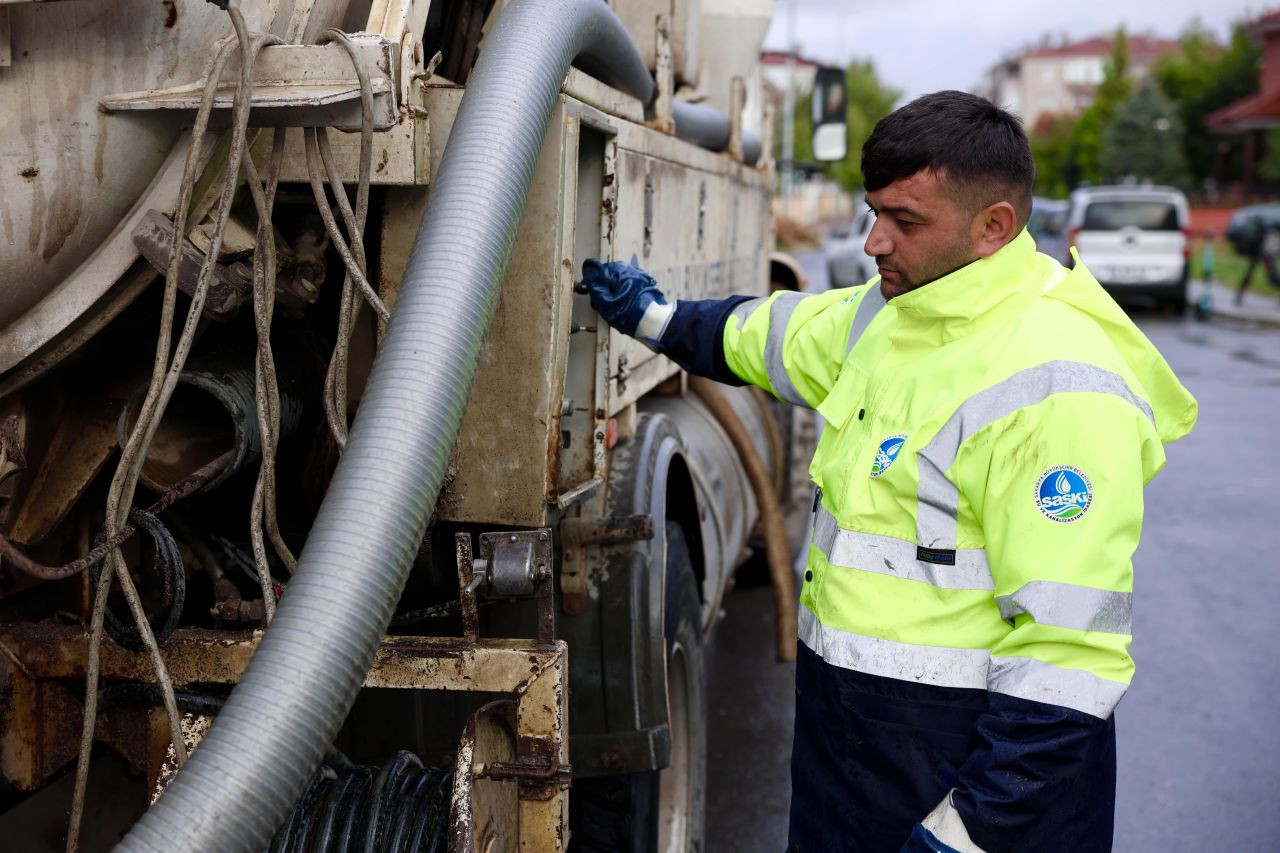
(316, 141)
(170, 360)
(167, 564)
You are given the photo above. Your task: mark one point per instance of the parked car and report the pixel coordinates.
(1248, 224)
(1134, 239)
(847, 262)
(1047, 226)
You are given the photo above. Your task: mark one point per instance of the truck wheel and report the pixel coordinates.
(659, 811)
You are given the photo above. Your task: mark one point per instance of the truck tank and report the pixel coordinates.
(320, 482)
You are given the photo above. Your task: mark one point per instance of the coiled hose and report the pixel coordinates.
(299, 686)
(398, 807)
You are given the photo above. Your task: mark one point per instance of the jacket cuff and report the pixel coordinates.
(946, 825)
(693, 337)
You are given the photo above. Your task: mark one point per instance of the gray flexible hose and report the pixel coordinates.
(708, 128)
(299, 686)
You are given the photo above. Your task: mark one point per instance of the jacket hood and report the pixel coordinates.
(1174, 407)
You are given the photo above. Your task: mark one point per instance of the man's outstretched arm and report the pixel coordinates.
(789, 344)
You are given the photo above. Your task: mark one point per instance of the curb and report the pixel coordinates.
(1223, 305)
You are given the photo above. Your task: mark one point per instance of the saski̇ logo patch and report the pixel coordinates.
(1063, 493)
(886, 453)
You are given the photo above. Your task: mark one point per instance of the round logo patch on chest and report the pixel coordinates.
(1063, 493)
(886, 453)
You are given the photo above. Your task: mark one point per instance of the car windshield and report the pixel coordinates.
(1147, 215)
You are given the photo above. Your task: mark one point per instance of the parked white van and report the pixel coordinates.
(1134, 239)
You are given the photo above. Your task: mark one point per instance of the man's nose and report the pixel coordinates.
(878, 243)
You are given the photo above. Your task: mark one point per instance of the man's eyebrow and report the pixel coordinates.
(897, 211)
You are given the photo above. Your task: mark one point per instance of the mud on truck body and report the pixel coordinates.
(312, 455)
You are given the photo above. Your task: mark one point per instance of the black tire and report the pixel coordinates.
(624, 814)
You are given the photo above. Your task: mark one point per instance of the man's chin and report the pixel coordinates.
(892, 284)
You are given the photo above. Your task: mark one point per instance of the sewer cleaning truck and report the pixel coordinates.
(331, 514)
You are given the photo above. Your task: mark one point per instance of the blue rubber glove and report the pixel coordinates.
(924, 841)
(627, 298)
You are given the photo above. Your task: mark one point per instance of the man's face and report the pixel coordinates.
(921, 233)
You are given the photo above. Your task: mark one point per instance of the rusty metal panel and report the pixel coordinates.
(41, 716)
(515, 407)
(84, 437)
(695, 220)
(38, 727)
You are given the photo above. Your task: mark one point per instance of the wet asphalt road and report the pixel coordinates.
(1199, 731)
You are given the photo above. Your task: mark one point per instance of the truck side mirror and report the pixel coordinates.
(830, 138)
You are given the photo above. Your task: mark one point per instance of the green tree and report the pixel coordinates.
(867, 100)
(1144, 140)
(1086, 139)
(1205, 76)
(1051, 149)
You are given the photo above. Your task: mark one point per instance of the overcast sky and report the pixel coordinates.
(921, 46)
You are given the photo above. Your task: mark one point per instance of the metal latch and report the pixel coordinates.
(512, 564)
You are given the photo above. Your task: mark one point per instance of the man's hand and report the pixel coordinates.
(627, 298)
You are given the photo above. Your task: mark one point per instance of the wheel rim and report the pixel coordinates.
(675, 782)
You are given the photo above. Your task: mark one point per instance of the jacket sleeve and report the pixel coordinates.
(790, 344)
(793, 344)
(1059, 494)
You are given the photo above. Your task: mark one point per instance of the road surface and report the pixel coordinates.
(1199, 731)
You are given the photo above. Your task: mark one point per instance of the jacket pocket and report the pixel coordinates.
(846, 396)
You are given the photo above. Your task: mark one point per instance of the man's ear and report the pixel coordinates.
(995, 225)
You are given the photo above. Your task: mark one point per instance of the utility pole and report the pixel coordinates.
(789, 105)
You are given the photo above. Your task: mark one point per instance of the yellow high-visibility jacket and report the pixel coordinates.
(987, 440)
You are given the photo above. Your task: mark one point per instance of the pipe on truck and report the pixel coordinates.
(300, 684)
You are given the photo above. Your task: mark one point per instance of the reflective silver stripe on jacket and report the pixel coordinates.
(872, 301)
(938, 497)
(1067, 605)
(936, 665)
(780, 311)
(743, 310)
(868, 552)
(1027, 678)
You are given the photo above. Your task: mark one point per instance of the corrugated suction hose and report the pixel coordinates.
(299, 686)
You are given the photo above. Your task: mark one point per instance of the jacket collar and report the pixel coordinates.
(960, 298)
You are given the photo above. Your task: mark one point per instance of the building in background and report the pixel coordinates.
(1062, 80)
(1253, 116)
(773, 68)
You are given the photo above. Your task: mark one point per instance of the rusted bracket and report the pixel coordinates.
(576, 534)
(663, 119)
(232, 283)
(737, 100)
(532, 771)
(295, 85)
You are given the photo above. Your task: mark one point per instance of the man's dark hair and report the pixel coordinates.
(980, 149)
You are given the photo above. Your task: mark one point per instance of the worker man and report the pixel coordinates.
(991, 421)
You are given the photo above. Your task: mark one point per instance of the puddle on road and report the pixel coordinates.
(1251, 357)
